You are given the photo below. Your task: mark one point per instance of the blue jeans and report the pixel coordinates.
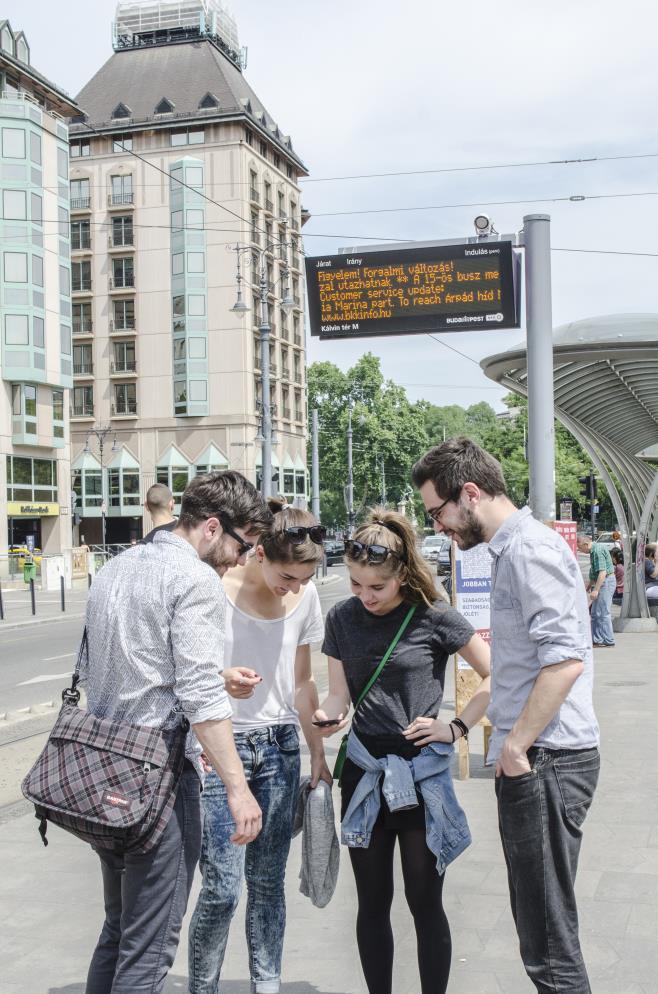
(540, 816)
(145, 901)
(601, 618)
(270, 757)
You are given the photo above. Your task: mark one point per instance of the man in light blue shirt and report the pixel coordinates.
(545, 738)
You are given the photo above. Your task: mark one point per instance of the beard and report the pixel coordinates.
(470, 532)
(220, 556)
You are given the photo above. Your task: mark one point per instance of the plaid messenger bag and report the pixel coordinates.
(111, 784)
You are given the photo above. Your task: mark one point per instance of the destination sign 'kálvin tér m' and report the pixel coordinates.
(441, 288)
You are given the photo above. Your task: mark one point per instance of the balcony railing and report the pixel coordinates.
(254, 196)
(126, 281)
(80, 203)
(285, 372)
(298, 416)
(82, 410)
(83, 368)
(120, 327)
(81, 285)
(123, 408)
(255, 237)
(286, 413)
(83, 327)
(120, 199)
(269, 205)
(294, 261)
(296, 300)
(123, 366)
(297, 338)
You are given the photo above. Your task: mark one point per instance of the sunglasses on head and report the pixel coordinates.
(297, 534)
(243, 547)
(375, 554)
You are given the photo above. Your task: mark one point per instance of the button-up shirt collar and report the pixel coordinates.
(505, 532)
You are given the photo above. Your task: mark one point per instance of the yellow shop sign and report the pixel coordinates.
(18, 509)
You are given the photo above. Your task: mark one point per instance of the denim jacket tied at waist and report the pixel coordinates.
(447, 830)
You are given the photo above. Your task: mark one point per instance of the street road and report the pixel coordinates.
(37, 660)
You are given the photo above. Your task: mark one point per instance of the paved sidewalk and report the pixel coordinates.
(52, 911)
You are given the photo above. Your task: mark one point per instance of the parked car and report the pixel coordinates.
(436, 549)
(444, 559)
(334, 550)
(606, 540)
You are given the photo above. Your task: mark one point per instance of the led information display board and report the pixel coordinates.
(401, 291)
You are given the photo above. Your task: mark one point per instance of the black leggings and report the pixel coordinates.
(423, 888)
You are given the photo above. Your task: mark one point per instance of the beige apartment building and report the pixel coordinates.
(35, 308)
(173, 163)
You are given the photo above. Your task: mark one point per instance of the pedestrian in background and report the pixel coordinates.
(273, 616)
(601, 587)
(160, 505)
(617, 557)
(396, 784)
(155, 633)
(545, 735)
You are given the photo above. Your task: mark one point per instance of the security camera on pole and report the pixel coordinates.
(266, 287)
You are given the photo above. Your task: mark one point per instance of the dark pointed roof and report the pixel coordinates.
(184, 72)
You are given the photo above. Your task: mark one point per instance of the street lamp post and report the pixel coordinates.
(101, 434)
(265, 435)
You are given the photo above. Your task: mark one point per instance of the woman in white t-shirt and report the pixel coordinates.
(273, 616)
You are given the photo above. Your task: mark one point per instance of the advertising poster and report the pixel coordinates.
(473, 590)
(569, 532)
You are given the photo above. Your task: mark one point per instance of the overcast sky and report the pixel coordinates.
(372, 86)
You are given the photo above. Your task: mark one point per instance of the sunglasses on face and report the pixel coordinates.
(243, 547)
(375, 554)
(297, 534)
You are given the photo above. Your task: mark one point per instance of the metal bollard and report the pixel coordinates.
(32, 598)
(61, 591)
(89, 579)
(2, 607)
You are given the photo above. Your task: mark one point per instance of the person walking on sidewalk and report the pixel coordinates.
(155, 632)
(273, 616)
(601, 587)
(396, 783)
(545, 736)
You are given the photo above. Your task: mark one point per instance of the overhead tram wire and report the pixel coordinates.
(584, 160)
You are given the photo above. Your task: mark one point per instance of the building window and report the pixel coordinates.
(197, 349)
(38, 333)
(13, 143)
(65, 281)
(35, 148)
(80, 235)
(81, 318)
(174, 477)
(80, 198)
(262, 147)
(15, 267)
(194, 176)
(81, 276)
(88, 487)
(255, 236)
(194, 218)
(196, 305)
(17, 329)
(58, 414)
(123, 485)
(124, 315)
(249, 137)
(80, 148)
(179, 349)
(37, 270)
(188, 136)
(62, 163)
(82, 402)
(31, 480)
(208, 102)
(63, 222)
(121, 190)
(198, 390)
(65, 339)
(196, 262)
(14, 205)
(121, 111)
(82, 360)
(177, 264)
(164, 107)
(37, 208)
(122, 230)
(300, 483)
(124, 357)
(122, 143)
(123, 273)
(125, 398)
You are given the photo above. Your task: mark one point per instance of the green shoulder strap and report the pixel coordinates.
(342, 752)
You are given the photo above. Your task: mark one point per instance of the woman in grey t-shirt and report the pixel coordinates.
(397, 717)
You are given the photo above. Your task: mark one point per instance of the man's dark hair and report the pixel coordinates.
(456, 462)
(225, 495)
